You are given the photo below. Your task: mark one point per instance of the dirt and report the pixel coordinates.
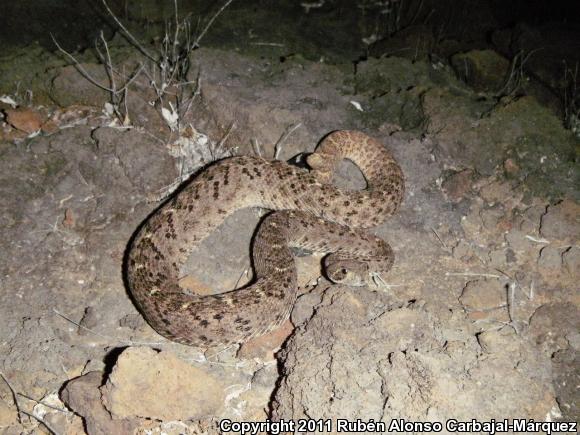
(482, 301)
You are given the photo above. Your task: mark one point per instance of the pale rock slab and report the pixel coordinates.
(160, 386)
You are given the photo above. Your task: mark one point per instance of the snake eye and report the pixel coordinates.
(339, 275)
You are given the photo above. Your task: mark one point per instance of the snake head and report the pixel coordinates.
(348, 272)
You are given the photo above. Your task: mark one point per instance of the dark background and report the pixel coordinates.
(77, 22)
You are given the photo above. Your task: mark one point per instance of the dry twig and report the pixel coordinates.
(287, 132)
(14, 397)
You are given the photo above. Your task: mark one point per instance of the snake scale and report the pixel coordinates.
(310, 213)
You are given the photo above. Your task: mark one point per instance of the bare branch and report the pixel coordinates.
(129, 342)
(288, 132)
(132, 77)
(209, 23)
(176, 35)
(217, 149)
(128, 34)
(109, 64)
(14, 397)
(84, 72)
(44, 423)
(190, 100)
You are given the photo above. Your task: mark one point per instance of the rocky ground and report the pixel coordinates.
(479, 318)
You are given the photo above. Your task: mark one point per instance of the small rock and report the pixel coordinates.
(496, 192)
(132, 321)
(65, 423)
(571, 260)
(70, 87)
(158, 385)
(496, 315)
(511, 168)
(82, 395)
(483, 70)
(266, 376)
(304, 306)
(462, 250)
(25, 120)
(550, 259)
(93, 365)
(493, 218)
(196, 287)
(9, 134)
(308, 271)
(69, 219)
(130, 148)
(565, 365)
(457, 185)
(561, 221)
(49, 127)
(19, 429)
(510, 256)
(454, 347)
(498, 259)
(146, 116)
(483, 295)
(264, 347)
(8, 414)
(518, 241)
(413, 42)
(532, 218)
(552, 323)
(502, 340)
(574, 340)
(89, 320)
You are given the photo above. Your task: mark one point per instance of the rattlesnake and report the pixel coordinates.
(313, 215)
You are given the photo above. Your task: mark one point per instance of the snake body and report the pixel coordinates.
(310, 213)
